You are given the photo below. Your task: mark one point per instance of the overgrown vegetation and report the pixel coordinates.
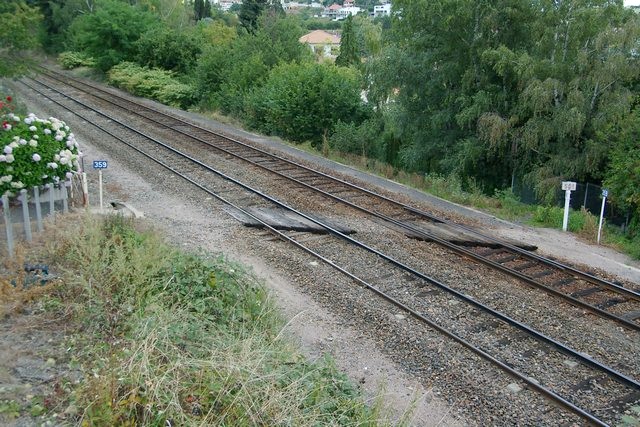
(155, 83)
(70, 60)
(165, 337)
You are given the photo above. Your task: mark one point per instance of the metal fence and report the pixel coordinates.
(25, 213)
(586, 195)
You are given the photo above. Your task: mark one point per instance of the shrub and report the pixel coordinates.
(70, 60)
(303, 102)
(169, 49)
(35, 152)
(158, 84)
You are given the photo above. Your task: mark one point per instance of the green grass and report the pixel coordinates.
(167, 336)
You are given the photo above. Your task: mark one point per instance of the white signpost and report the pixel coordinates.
(100, 164)
(568, 187)
(605, 194)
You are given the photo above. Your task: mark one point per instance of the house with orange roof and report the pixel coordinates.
(322, 43)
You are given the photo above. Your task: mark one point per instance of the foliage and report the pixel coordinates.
(581, 222)
(109, 33)
(304, 102)
(198, 341)
(202, 9)
(157, 84)
(58, 16)
(623, 174)
(20, 26)
(35, 152)
(70, 60)
(529, 89)
(348, 45)
(251, 10)
(173, 50)
(227, 72)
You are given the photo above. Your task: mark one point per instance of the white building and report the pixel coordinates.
(382, 10)
(344, 12)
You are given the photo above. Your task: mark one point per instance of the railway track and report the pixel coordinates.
(522, 352)
(600, 297)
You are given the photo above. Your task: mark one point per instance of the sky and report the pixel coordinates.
(632, 2)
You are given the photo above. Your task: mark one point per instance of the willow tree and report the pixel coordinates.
(573, 85)
(497, 89)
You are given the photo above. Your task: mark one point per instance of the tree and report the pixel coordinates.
(20, 27)
(109, 33)
(250, 11)
(348, 45)
(198, 9)
(163, 47)
(206, 10)
(303, 102)
(524, 91)
(623, 174)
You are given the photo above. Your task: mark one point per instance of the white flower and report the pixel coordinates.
(3, 158)
(6, 126)
(17, 184)
(33, 143)
(8, 149)
(28, 120)
(47, 131)
(59, 138)
(10, 158)
(64, 160)
(36, 157)
(70, 144)
(52, 165)
(14, 144)
(56, 157)
(69, 175)
(33, 128)
(35, 137)
(6, 178)
(22, 142)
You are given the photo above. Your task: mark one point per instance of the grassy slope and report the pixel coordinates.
(164, 337)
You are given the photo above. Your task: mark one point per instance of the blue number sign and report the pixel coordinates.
(605, 193)
(99, 164)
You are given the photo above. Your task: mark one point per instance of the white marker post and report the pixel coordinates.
(605, 194)
(100, 164)
(568, 187)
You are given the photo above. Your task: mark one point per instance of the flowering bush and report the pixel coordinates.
(35, 152)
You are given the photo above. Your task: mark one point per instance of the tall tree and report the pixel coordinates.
(348, 45)
(525, 90)
(206, 10)
(198, 9)
(250, 11)
(109, 33)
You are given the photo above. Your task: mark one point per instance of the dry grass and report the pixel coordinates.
(167, 338)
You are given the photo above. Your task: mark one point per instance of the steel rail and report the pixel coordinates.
(586, 276)
(409, 227)
(550, 394)
(519, 325)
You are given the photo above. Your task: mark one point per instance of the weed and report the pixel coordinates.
(186, 339)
